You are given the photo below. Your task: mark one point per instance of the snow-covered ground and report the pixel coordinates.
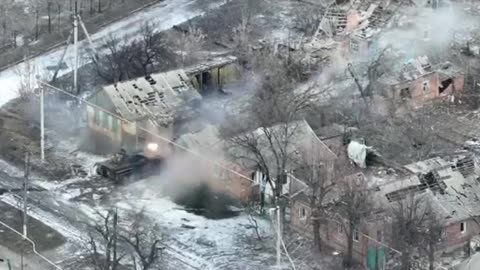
(473, 263)
(164, 15)
(210, 244)
(202, 244)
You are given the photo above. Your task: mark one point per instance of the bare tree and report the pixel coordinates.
(108, 232)
(375, 70)
(144, 241)
(432, 236)
(353, 207)
(124, 60)
(151, 52)
(27, 79)
(189, 43)
(114, 65)
(266, 136)
(318, 175)
(308, 17)
(109, 243)
(417, 229)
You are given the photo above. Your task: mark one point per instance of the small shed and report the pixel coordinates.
(213, 74)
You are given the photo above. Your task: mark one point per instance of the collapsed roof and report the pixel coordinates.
(451, 188)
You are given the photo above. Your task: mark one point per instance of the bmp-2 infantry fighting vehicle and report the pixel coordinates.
(124, 165)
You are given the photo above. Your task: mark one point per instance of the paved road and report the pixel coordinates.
(165, 15)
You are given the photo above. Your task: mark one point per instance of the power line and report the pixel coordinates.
(217, 163)
(33, 245)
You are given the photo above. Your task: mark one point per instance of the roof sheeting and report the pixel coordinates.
(210, 64)
(157, 97)
(302, 143)
(456, 199)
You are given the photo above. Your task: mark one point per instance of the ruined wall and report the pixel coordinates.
(419, 96)
(459, 84)
(420, 90)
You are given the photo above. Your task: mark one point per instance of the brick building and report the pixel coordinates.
(450, 187)
(418, 82)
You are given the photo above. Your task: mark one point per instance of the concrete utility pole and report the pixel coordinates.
(25, 188)
(279, 238)
(75, 50)
(42, 123)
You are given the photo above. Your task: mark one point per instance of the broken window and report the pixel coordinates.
(426, 87)
(405, 93)
(462, 227)
(303, 213)
(444, 85)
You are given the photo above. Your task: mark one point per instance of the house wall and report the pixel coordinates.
(453, 236)
(235, 185)
(108, 134)
(105, 130)
(331, 232)
(459, 84)
(418, 96)
(456, 87)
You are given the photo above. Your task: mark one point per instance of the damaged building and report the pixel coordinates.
(304, 147)
(213, 74)
(353, 26)
(150, 103)
(450, 187)
(418, 82)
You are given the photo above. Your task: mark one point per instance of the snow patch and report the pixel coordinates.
(165, 15)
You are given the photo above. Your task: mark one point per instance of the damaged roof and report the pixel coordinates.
(447, 70)
(210, 64)
(157, 97)
(417, 67)
(451, 188)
